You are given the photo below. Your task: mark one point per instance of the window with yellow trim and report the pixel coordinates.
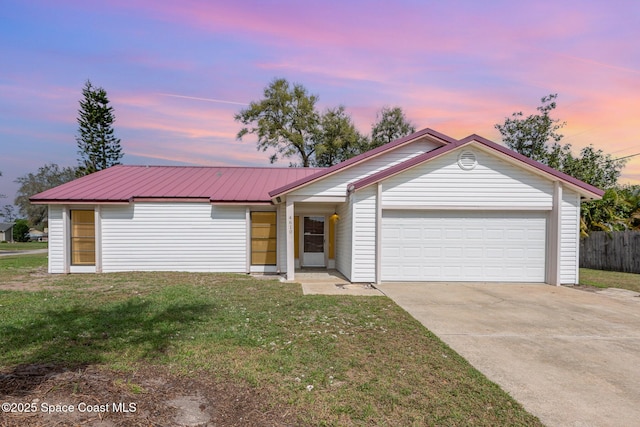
(83, 237)
(263, 238)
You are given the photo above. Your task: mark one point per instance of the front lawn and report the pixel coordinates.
(311, 360)
(610, 279)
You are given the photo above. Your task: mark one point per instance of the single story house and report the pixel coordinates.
(6, 231)
(37, 235)
(425, 207)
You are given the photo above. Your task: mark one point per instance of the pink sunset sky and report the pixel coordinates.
(177, 72)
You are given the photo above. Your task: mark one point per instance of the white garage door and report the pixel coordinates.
(463, 246)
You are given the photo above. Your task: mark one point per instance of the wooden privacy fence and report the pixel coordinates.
(615, 251)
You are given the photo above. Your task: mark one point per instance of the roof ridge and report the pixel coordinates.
(421, 158)
(121, 183)
(447, 140)
(218, 167)
(534, 163)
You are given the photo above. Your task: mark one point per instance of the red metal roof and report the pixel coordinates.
(124, 183)
(585, 188)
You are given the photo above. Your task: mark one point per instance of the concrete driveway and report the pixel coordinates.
(571, 357)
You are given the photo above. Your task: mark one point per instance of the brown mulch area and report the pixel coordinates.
(149, 396)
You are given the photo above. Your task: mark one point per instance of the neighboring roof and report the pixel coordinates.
(125, 183)
(582, 187)
(361, 157)
(5, 226)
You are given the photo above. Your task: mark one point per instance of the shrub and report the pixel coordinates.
(21, 231)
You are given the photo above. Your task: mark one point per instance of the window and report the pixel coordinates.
(263, 238)
(83, 237)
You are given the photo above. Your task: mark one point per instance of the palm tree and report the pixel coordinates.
(608, 214)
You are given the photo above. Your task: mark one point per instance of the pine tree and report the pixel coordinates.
(97, 146)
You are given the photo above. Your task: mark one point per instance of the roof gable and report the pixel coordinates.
(583, 188)
(424, 133)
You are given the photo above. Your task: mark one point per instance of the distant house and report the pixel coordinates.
(37, 235)
(6, 231)
(426, 207)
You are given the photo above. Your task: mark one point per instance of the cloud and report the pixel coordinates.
(195, 98)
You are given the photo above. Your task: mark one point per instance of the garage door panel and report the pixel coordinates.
(493, 271)
(393, 252)
(473, 270)
(494, 252)
(432, 233)
(431, 252)
(494, 234)
(412, 252)
(515, 234)
(453, 251)
(430, 271)
(536, 254)
(451, 271)
(474, 234)
(454, 233)
(472, 253)
(391, 233)
(517, 254)
(412, 233)
(463, 246)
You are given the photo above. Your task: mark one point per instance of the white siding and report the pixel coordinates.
(174, 237)
(336, 185)
(492, 183)
(364, 235)
(56, 239)
(344, 238)
(282, 238)
(570, 237)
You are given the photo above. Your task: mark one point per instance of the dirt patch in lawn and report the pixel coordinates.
(94, 396)
(33, 281)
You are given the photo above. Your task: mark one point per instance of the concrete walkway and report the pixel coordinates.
(331, 282)
(571, 357)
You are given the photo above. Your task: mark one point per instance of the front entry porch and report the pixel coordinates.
(310, 237)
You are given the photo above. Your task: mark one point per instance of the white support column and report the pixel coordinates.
(98, 233)
(555, 237)
(278, 238)
(247, 219)
(379, 234)
(66, 238)
(291, 267)
(577, 237)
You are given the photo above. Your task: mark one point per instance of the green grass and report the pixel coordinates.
(610, 279)
(330, 360)
(22, 267)
(22, 246)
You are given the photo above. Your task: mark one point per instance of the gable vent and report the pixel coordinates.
(467, 160)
